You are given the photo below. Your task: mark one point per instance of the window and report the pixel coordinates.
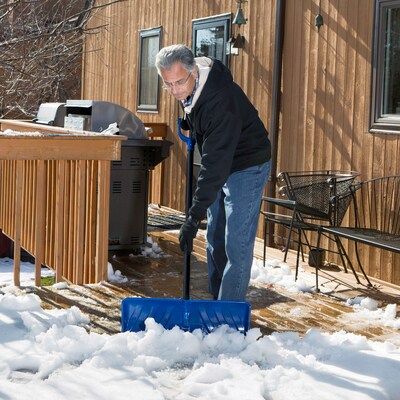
(385, 105)
(148, 81)
(210, 37)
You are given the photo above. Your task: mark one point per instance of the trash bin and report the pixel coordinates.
(316, 258)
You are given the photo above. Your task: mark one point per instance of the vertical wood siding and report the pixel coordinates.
(111, 68)
(325, 86)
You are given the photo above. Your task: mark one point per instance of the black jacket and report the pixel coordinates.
(229, 133)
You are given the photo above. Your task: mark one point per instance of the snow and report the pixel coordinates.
(51, 354)
(111, 130)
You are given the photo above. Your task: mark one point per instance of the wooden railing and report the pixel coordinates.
(54, 198)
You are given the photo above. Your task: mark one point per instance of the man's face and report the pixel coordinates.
(178, 81)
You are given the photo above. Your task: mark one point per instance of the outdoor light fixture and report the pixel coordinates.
(239, 17)
(230, 50)
(319, 21)
(236, 43)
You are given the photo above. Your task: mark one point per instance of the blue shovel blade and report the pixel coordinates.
(188, 315)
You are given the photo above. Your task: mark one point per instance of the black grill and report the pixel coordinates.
(130, 175)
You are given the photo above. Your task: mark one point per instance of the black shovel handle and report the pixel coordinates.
(190, 142)
(186, 274)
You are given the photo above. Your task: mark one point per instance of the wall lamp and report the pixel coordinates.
(236, 43)
(239, 17)
(319, 21)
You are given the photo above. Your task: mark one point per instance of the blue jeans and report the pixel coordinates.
(232, 222)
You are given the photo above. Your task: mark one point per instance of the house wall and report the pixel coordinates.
(325, 86)
(111, 71)
(326, 103)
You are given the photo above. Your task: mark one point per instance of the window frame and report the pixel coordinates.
(206, 23)
(380, 122)
(212, 22)
(144, 34)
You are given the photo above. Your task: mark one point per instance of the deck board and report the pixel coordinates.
(273, 307)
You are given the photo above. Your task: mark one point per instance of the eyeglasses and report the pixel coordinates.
(181, 82)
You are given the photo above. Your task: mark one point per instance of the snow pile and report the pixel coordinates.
(115, 276)
(153, 250)
(278, 273)
(367, 312)
(51, 354)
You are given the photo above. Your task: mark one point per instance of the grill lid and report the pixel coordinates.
(100, 114)
(51, 114)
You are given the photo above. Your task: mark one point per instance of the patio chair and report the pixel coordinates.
(376, 207)
(312, 198)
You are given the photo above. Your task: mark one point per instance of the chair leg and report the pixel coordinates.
(342, 251)
(308, 245)
(350, 263)
(316, 261)
(286, 248)
(361, 267)
(289, 236)
(265, 242)
(299, 247)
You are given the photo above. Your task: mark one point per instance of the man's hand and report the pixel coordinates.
(187, 233)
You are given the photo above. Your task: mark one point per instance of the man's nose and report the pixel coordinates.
(175, 91)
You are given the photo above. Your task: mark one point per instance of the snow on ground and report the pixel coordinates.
(50, 354)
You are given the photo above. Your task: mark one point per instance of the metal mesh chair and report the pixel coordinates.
(312, 198)
(376, 207)
(317, 193)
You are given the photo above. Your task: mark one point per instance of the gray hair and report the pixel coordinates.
(168, 56)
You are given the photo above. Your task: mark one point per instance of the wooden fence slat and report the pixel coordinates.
(18, 221)
(103, 203)
(59, 221)
(80, 222)
(58, 209)
(40, 219)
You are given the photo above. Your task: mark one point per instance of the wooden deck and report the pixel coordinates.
(273, 307)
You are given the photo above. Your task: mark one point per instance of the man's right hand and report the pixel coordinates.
(187, 233)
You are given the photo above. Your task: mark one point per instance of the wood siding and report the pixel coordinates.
(111, 69)
(326, 86)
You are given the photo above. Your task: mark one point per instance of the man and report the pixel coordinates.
(235, 164)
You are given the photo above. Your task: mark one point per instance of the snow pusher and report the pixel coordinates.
(186, 313)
